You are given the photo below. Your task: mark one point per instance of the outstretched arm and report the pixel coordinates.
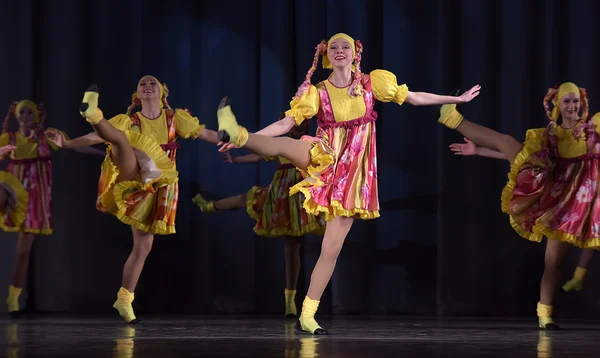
(278, 128)
(84, 141)
(430, 99)
(248, 158)
(469, 148)
(208, 135)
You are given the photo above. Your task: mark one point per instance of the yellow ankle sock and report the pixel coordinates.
(307, 317)
(13, 298)
(204, 205)
(290, 302)
(89, 105)
(450, 117)
(238, 135)
(123, 304)
(576, 283)
(544, 313)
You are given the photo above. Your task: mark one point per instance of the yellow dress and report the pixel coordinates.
(28, 182)
(150, 202)
(341, 179)
(553, 185)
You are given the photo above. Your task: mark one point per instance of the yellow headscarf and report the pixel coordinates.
(29, 104)
(567, 87)
(326, 63)
(160, 86)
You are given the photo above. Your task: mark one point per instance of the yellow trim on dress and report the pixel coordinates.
(19, 212)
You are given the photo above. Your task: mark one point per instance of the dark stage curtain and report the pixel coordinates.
(442, 245)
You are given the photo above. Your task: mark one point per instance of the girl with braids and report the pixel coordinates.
(276, 213)
(340, 163)
(25, 187)
(139, 182)
(552, 185)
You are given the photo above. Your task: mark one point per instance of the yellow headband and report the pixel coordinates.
(326, 63)
(160, 86)
(29, 104)
(567, 87)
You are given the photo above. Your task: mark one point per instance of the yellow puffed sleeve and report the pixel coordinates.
(121, 121)
(52, 145)
(186, 125)
(533, 140)
(595, 120)
(4, 139)
(385, 87)
(306, 107)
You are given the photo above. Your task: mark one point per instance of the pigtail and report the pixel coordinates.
(320, 50)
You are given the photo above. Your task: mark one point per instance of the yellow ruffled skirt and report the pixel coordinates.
(148, 203)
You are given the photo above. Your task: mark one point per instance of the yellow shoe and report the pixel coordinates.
(204, 205)
(89, 105)
(573, 285)
(307, 321)
(123, 305)
(229, 130)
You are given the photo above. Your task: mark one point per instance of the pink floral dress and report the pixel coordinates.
(552, 189)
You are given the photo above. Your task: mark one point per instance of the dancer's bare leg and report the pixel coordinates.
(480, 135)
(335, 235)
(20, 267)
(555, 253)
(142, 244)
(292, 271)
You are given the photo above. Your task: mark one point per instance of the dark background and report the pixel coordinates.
(442, 245)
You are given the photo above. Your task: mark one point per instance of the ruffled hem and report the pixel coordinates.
(157, 227)
(335, 209)
(27, 230)
(538, 232)
(21, 198)
(313, 228)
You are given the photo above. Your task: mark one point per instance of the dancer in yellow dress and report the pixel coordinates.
(277, 214)
(139, 180)
(26, 187)
(340, 163)
(552, 185)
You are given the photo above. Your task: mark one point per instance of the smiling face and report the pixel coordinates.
(340, 53)
(569, 106)
(148, 89)
(26, 117)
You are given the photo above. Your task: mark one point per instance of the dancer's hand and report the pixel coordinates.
(57, 138)
(7, 149)
(467, 148)
(227, 157)
(470, 94)
(225, 147)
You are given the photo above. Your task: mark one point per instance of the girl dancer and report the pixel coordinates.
(574, 284)
(139, 183)
(552, 184)
(339, 164)
(25, 188)
(276, 213)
